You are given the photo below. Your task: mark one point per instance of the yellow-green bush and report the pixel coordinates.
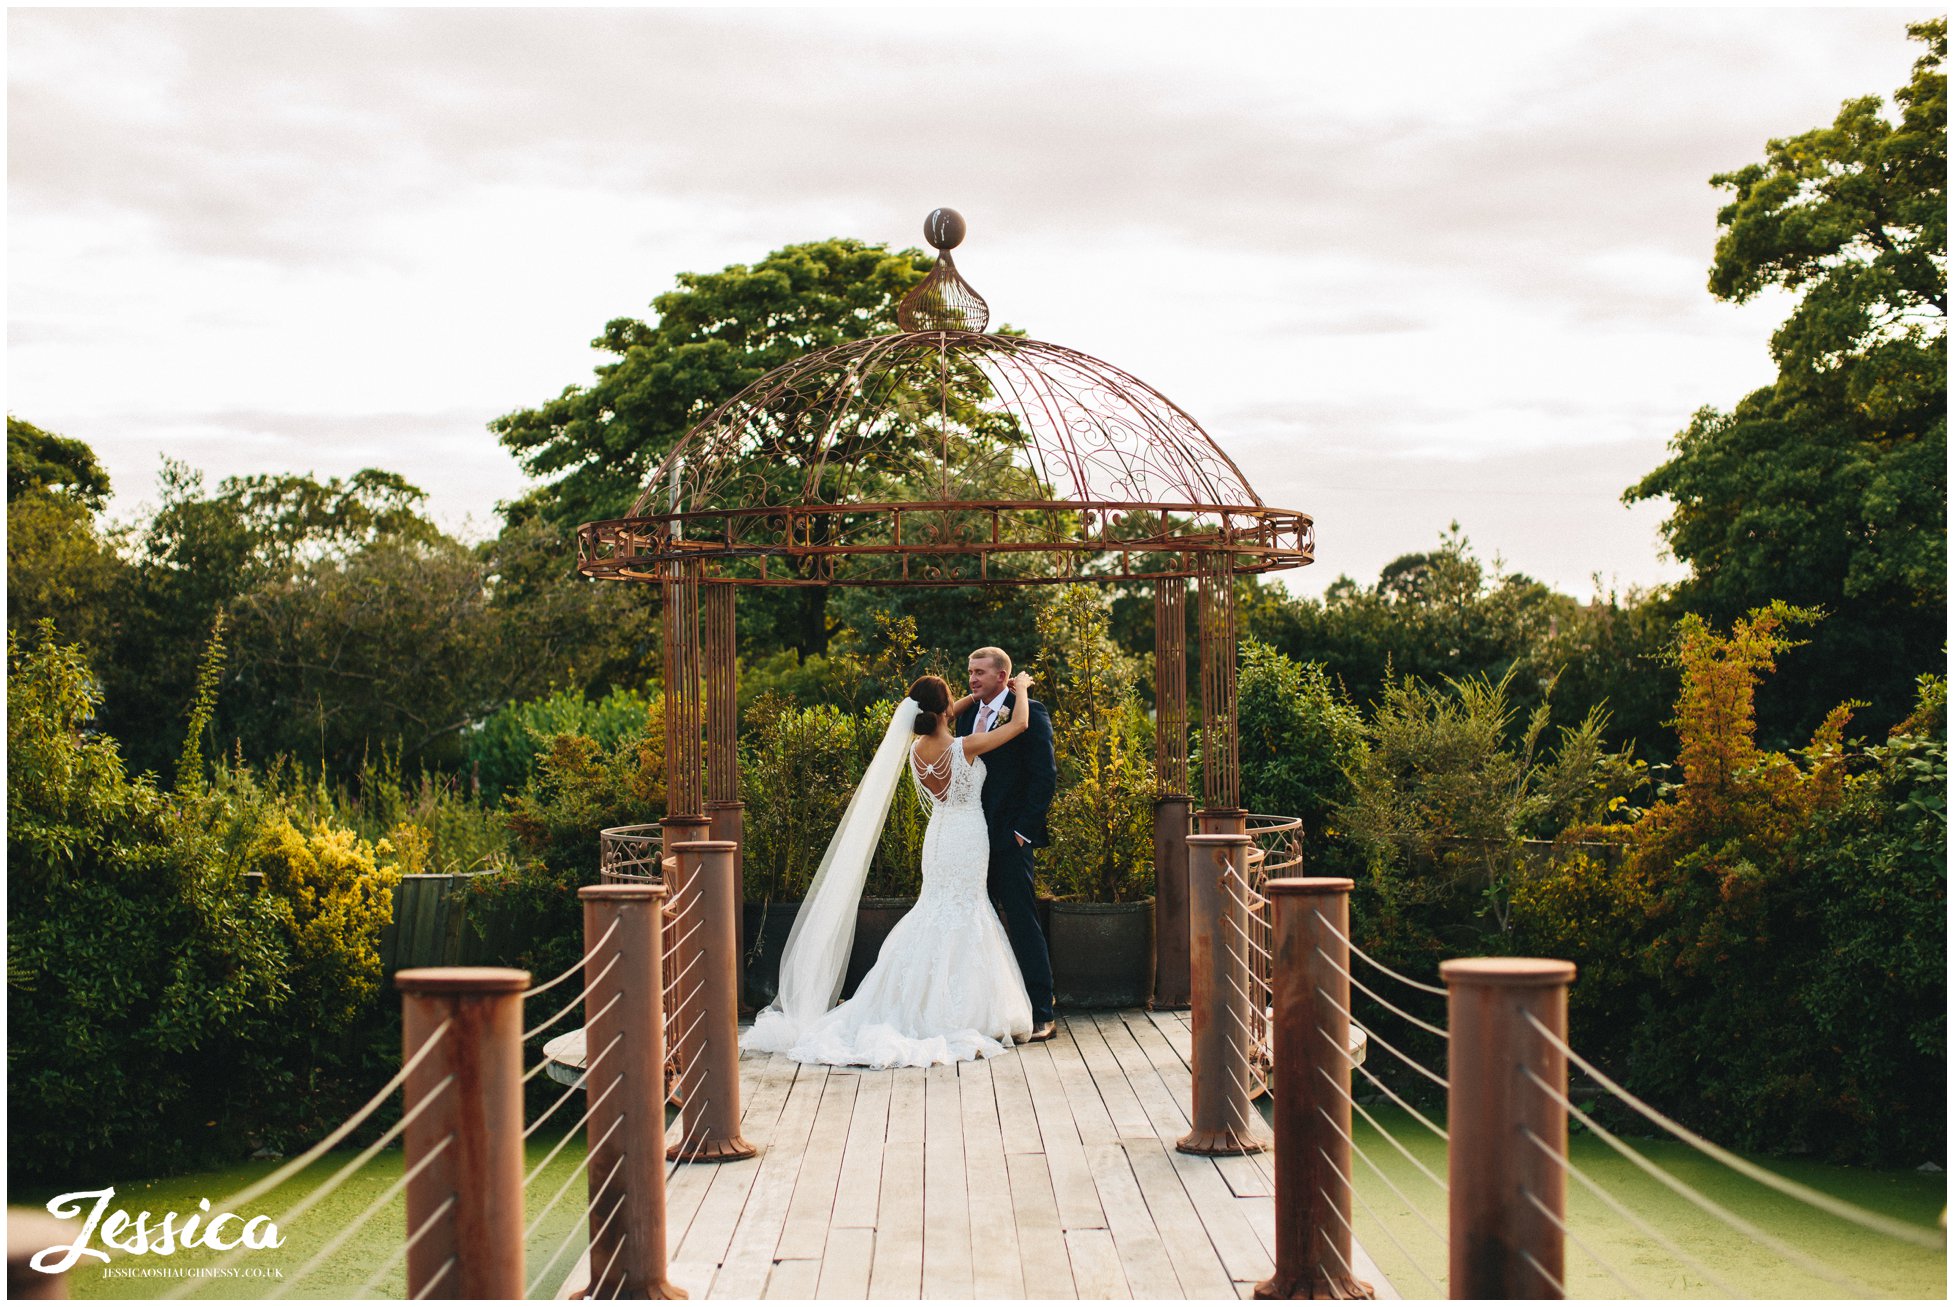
(331, 892)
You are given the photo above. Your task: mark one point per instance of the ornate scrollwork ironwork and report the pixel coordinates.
(980, 457)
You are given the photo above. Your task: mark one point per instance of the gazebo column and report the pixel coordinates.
(725, 814)
(1173, 806)
(684, 707)
(1221, 767)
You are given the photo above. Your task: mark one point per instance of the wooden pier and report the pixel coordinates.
(1048, 1172)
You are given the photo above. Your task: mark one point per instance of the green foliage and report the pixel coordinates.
(331, 895)
(798, 767)
(1768, 961)
(714, 335)
(1828, 488)
(40, 462)
(60, 565)
(578, 790)
(143, 979)
(504, 751)
(1298, 735)
(1446, 614)
(1102, 815)
(1443, 793)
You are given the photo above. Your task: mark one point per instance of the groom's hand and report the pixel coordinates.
(1022, 841)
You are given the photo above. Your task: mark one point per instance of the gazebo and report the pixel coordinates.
(949, 455)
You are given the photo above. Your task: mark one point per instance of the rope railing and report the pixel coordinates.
(288, 1218)
(373, 1209)
(1620, 1209)
(1811, 1266)
(1356, 952)
(570, 1239)
(1845, 1211)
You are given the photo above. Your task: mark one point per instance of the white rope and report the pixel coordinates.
(598, 1238)
(1709, 1205)
(1364, 1157)
(395, 1258)
(687, 1143)
(338, 1178)
(1392, 1049)
(358, 1223)
(1439, 990)
(582, 1080)
(1845, 1211)
(1560, 1290)
(1577, 1241)
(616, 1253)
(571, 1006)
(1379, 1127)
(1416, 1021)
(427, 1290)
(1620, 1209)
(571, 1237)
(579, 966)
(571, 1133)
(1388, 1234)
(251, 1193)
(571, 1179)
(1388, 1092)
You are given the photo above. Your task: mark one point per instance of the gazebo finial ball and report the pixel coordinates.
(943, 229)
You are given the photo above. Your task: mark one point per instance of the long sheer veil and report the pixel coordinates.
(816, 957)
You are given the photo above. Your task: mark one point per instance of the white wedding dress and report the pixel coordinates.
(946, 986)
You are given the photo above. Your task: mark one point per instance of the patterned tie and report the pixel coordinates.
(986, 717)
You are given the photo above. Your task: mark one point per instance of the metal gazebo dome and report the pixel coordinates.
(945, 455)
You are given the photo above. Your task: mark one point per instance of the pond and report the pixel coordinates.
(1407, 1253)
(1414, 1259)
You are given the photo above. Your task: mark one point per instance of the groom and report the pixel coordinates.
(1018, 783)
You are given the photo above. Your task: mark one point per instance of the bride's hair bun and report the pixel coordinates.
(932, 695)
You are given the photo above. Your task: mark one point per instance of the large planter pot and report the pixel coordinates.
(767, 927)
(1102, 954)
(874, 919)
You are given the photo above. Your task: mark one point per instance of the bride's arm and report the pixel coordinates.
(1004, 732)
(958, 705)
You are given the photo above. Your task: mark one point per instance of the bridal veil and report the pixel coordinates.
(816, 958)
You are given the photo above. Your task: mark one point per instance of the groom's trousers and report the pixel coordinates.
(1011, 886)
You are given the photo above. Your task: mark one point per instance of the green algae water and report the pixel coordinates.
(347, 1272)
(1409, 1254)
(1602, 1244)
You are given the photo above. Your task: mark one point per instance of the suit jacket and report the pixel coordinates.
(1019, 778)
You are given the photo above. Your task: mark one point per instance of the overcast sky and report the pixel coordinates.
(1405, 266)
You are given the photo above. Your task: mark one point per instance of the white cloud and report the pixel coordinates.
(1402, 240)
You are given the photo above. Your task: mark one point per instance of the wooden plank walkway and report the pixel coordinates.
(1048, 1172)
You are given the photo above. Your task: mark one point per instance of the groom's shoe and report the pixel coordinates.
(1043, 1031)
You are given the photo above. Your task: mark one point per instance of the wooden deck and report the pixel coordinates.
(1048, 1172)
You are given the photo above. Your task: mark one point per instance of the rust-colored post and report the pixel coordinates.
(711, 1052)
(1311, 1091)
(626, 1091)
(1221, 1111)
(684, 711)
(1221, 770)
(474, 1076)
(31, 1232)
(1502, 1245)
(1172, 807)
(724, 811)
(1173, 816)
(1221, 821)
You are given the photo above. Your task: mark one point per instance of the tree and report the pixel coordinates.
(713, 336)
(1829, 487)
(202, 552)
(41, 460)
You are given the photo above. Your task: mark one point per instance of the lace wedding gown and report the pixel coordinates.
(946, 986)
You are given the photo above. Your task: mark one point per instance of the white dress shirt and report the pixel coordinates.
(987, 714)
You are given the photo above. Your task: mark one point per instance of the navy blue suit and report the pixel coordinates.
(1019, 780)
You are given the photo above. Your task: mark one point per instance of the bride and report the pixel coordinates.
(946, 986)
